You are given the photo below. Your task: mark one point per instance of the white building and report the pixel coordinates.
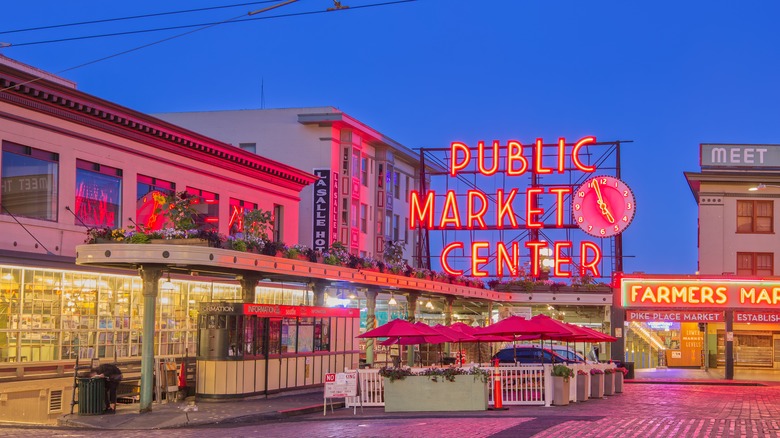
(362, 200)
(736, 224)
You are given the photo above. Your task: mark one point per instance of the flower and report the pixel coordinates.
(595, 371)
(582, 373)
(623, 370)
(178, 208)
(98, 234)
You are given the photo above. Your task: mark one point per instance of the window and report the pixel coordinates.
(237, 210)
(249, 147)
(380, 173)
(354, 212)
(207, 206)
(755, 263)
(396, 226)
(755, 216)
(407, 188)
(146, 188)
(30, 182)
(364, 218)
(396, 185)
(364, 171)
(98, 194)
(278, 223)
(355, 164)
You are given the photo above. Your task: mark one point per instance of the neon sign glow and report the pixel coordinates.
(479, 210)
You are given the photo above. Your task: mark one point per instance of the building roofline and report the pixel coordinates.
(37, 93)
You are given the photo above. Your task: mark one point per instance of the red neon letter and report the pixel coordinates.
(575, 154)
(538, 148)
(561, 260)
(481, 158)
(534, 247)
(559, 207)
(426, 214)
(503, 258)
(561, 155)
(591, 265)
(450, 214)
(476, 259)
(514, 152)
(444, 265)
(530, 210)
(477, 215)
(505, 207)
(454, 165)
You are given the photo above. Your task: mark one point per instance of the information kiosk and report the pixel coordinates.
(246, 350)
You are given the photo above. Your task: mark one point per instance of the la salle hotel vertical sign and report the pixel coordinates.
(325, 209)
(602, 206)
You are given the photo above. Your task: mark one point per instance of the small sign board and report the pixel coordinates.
(341, 385)
(338, 385)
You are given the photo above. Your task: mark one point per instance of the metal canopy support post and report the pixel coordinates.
(448, 318)
(729, 344)
(411, 301)
(150, 276)
(318, 289)
(248, 286)
(371, 295)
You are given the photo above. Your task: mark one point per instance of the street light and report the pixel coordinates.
(762, 186)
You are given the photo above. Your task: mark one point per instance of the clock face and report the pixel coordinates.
(603, 206)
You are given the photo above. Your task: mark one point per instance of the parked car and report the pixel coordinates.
(529, 354)
(568, 353)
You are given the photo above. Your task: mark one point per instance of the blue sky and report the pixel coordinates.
(666, 75)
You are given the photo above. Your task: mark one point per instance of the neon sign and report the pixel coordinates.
(500, 210)
(688, 293)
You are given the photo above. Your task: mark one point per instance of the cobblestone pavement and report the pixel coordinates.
(641, 411)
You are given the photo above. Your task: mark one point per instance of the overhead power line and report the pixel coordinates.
(133, 17)
(187, 26)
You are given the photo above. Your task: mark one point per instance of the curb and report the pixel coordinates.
(694, 382)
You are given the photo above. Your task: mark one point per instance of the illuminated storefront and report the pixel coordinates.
(702, 321)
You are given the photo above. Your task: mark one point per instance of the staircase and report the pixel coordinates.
(643, 347)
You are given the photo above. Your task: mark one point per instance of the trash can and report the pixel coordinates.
(92, 395)
(630, 367)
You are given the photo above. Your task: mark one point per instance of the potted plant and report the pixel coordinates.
(258, 223)
(620, 374)
(435, 389)
(609, 381)
(561, 375)
(596, 383)
(582, 386)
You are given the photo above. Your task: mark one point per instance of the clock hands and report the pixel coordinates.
(602, 205)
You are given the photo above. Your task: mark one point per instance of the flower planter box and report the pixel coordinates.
(597, 386)
(561, 390)
(609, 384)
(582, 389)
(619, 382)
(191, 242)
(421, 394)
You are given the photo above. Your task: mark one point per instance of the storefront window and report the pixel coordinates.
(274, 337)
(146, 206)
(30, 182)
(289, 335)
(98, 194)
(207, 207)
(322, 335)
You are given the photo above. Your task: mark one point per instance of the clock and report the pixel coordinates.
(603, 206)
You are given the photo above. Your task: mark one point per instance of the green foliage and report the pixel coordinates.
(138, 238)
(178, 208)
(435, 374)
(394, 252)
(562, 371)
(258, 223)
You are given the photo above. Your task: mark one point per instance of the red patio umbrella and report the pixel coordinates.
(397, 328)
(517, 326)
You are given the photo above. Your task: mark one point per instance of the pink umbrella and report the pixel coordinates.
(397, 328)
(518, 326)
